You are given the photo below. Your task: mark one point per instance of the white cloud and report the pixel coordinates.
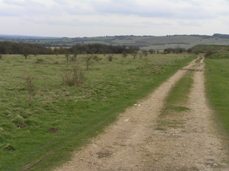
(108, 17)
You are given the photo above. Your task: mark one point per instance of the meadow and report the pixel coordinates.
(217, 84)
(51, 105)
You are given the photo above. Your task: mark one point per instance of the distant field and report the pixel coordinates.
(210, 49)
(42, 119)
(147, 42)
(217, 83)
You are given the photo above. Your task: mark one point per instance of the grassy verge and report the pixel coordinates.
(42, 120)
(178, 96)
(175, 104)
(217, 84)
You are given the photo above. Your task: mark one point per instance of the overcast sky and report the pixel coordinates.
(75, 18)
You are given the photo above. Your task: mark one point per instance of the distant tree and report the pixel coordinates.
(174, 50)
(62, 50)
(145, 53)
(25, 51)
(25, 54)
(151, 51)
(20, 48)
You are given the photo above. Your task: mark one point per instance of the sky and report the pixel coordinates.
(79, 18)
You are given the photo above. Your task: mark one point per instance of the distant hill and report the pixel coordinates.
(147, 42)
(224, 36)
(209, 48)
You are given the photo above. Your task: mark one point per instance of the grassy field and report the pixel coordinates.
(217, 84)
(42, 119)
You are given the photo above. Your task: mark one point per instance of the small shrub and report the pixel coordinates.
(74, 77)
(110, 58)
(124, 54)
(3, 135)
(30, 88)
(25, 55)
(19, 121)
(39, 61)
(0, 56)
(9, 147)
(53, 130)
(96, 58)
(56, 62)
(30, 122)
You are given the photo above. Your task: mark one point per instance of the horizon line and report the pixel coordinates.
(121, 35)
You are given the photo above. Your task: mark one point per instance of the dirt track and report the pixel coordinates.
(134, 142)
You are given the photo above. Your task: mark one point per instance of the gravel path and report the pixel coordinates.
(134, 142)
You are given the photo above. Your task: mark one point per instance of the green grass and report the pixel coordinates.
(209, 48)
(222, 54)
(39, 133)
(217, 84)
(178, 96)
(175, 104)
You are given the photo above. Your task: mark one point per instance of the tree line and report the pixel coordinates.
(22, 48)
(34, 49)
(26, 49)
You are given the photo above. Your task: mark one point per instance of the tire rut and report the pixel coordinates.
(195, 146)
